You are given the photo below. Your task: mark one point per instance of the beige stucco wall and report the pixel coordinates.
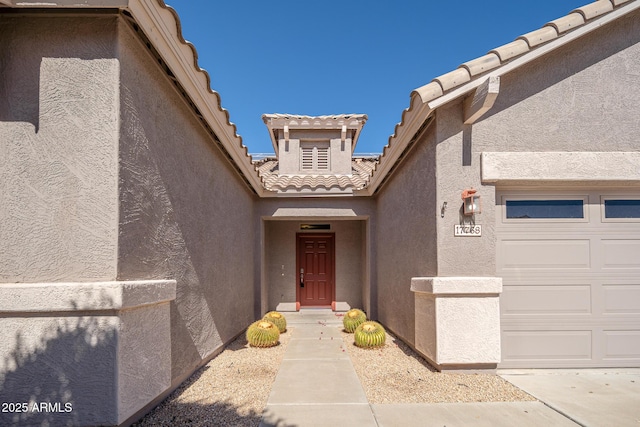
(280, 261)
(84, 347)
(58, 156)
(353, 221)
(59, 106)
(457, 170)
(581, 97)
(406, 236)
(106, 175)
(184, 212)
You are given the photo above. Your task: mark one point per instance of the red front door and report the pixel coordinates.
(315, 278)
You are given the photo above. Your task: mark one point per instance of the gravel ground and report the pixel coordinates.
(231, 390)
(396, 374)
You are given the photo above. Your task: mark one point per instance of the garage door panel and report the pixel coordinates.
(621, 299)
(545, 345)
(546, 299)
(621, 344)
(571, 290)
(621, 253)
(528, 254)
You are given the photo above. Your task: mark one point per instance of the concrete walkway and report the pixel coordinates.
(591, 397)
(318, 386)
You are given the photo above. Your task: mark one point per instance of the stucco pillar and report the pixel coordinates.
(83, 353)
(458, 321)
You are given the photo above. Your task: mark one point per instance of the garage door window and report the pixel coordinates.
(622, 208)
(545, 209)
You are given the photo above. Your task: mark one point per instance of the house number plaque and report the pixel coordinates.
(467, 230)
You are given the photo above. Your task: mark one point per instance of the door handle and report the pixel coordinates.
(302, 277)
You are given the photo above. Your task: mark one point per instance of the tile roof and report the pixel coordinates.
(207, 101)
(314, 118)
(523, 44)
(316, 184)
(352, 122)
(468, 76)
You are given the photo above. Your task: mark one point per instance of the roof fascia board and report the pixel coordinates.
(161, 28)
(535, 54)
(273, 138)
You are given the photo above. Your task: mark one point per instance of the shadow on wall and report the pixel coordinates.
(20, 91)
(64, 377)
(22, 52)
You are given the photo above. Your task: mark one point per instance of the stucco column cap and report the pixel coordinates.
(84, 296)
(457, 285)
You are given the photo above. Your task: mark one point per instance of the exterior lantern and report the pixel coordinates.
(471, 201)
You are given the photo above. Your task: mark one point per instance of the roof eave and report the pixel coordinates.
(412, 120)
(161, 25)
(426, 99)
(531, 55)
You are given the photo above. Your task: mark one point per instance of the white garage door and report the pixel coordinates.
(570, 263)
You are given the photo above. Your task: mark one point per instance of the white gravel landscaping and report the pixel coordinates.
(233, 388)
(396, 374)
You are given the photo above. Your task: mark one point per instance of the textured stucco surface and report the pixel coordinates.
(458, 319)
(144, 357)
(184, 212)
(276, 250)
(106, 367)
(103, 347)
(406, 237)
(581, 97)
(426, 338)
(350, 252)
(60, 359)
(108, 175)
(83, 296)
(58, 157)
(526, 167)
(457, 170)
(457, 285)
(280, 261)
(468, 330)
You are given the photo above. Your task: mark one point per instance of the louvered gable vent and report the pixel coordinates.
(314, 157)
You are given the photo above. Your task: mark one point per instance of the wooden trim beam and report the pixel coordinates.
(476, 105)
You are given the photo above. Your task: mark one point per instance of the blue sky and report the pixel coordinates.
(338, 57)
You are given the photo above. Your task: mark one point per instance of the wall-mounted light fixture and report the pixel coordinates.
(471, 201)
(443, 209)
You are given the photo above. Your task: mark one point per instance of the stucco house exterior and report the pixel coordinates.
(138, 237)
